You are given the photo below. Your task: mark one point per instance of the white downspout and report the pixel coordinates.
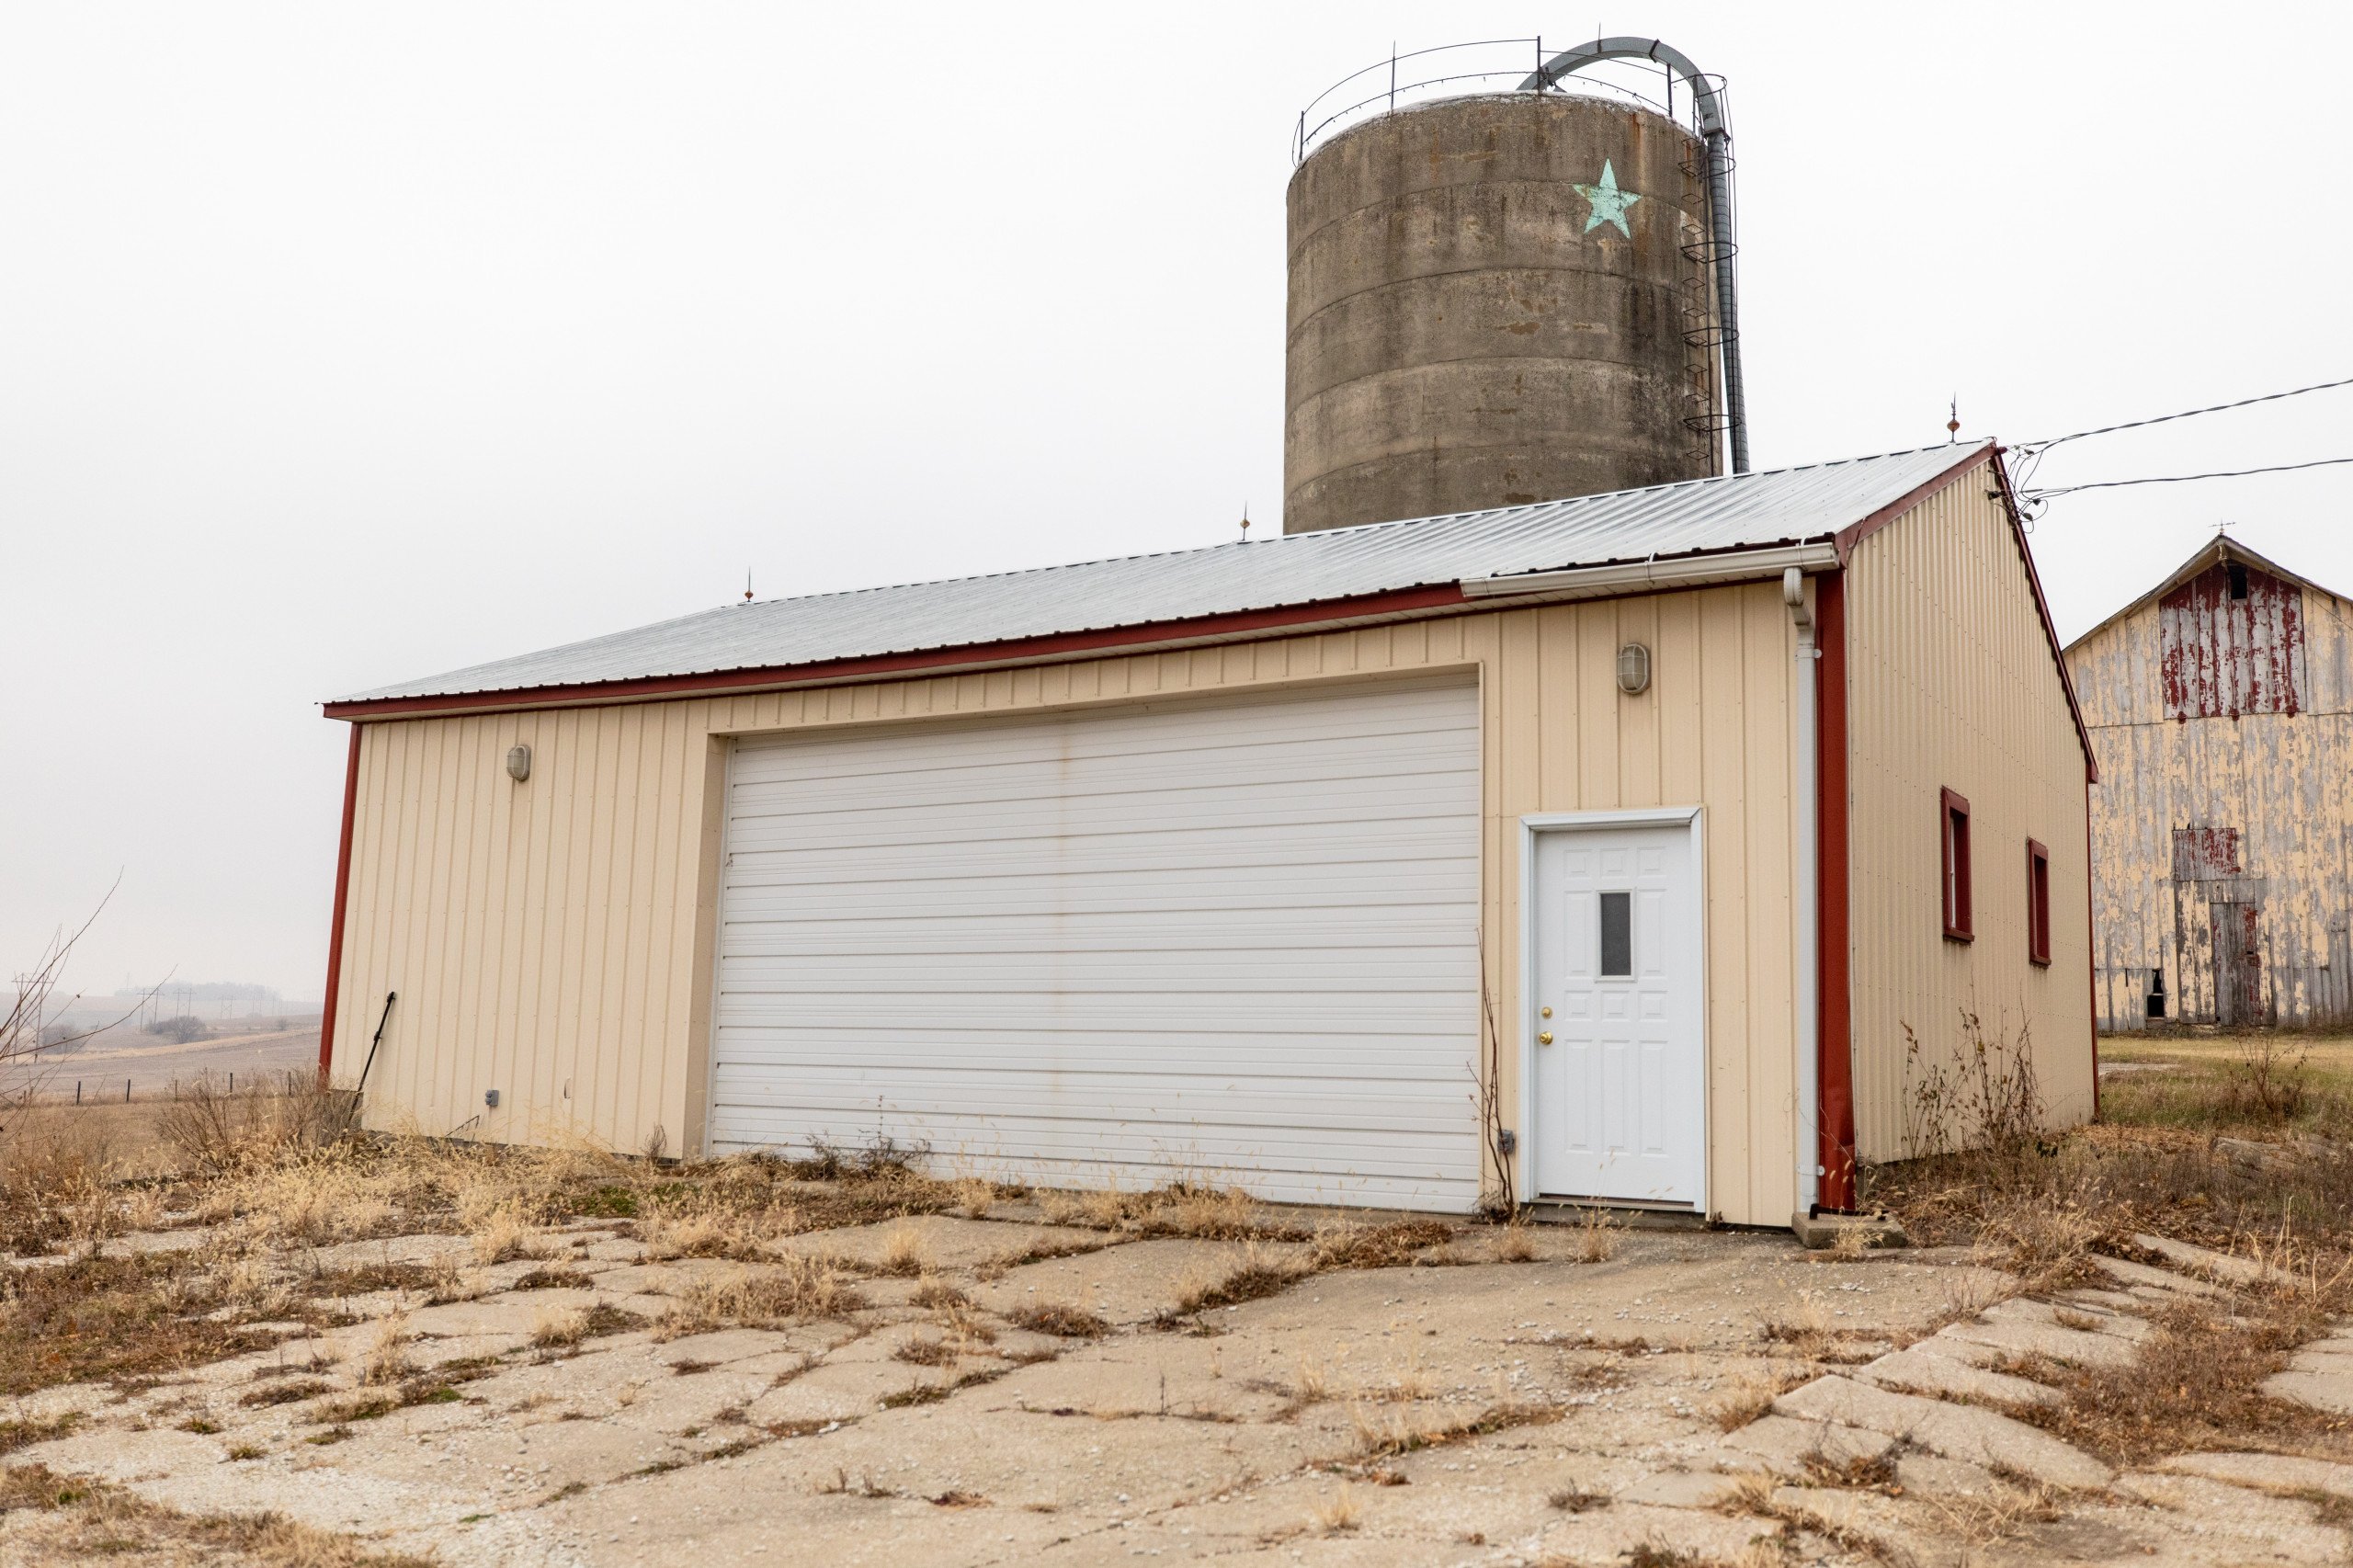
(1805, 873)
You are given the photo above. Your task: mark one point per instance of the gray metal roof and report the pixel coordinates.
(1703, 517)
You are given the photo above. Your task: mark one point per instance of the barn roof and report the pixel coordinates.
(2216, 551)
(1383, 570)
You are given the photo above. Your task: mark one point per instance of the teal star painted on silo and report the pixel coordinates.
(1607, 201)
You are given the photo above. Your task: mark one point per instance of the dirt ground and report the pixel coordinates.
(1052, 1381)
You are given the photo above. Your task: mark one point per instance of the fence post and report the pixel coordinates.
(126, 1091)
(78, 1091)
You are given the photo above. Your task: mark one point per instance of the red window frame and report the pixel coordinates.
(2038, 904)
(1953, 833)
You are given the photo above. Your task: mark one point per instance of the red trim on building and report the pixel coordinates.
(1834, 952)
(342, 892)
(2038, 904)
(1022, 650)
(1846, 539)
(1956, 893)
(2091, 966)
(2043, 608)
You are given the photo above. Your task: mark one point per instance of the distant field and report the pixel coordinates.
(104, 1066)
(2228, 1081)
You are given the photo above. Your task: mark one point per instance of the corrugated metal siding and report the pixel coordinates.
(1952, 684)
(2245, 811)
(558, 933)
(1702, 516)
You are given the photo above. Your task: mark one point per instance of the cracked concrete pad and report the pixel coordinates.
(2026, 1337)
(2161, 1280)
(123, 1455)
(1683, 1489)
(2024, 1310)
(140, 1244)
(1955, 1431)
(1921, 1369)
(1928, 1476)
(839, 1391)
(2206, 1260)
(733, 1519)
(1866, 1515)
(422, 1247)
(1785, 1444)
(1130, 1283)
(2287, 1528)
(1159, 1373)
(2320, 1391)
(947, 1241)
(1610, 1535)
(725, 1346)
(2267, 1473)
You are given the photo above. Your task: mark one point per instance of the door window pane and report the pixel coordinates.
(1618, 935)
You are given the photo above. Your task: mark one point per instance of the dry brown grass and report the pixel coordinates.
(1515, 1241)
(1391, 1246)
(2041, 1208)
(1178, 1208)
(110, 1318)
(1750, 1395)
(215, 1131)
(1337, 1513)
(791, 1290)
(2197, 1381)
(77, 1520)
(1598, 1234)
(1063, 1319)
(1256, 1273)
(387, 1358)
(556, 1328)
(1392, 1429)
(904, 1253)
(925, 1350)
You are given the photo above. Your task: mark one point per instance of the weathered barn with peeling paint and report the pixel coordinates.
(2221, 889)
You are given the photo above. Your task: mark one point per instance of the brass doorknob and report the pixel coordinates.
(1544, 1038)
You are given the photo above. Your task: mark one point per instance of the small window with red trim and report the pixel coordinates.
(1959, 920)
(2038, 903)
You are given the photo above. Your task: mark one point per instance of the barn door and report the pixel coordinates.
(2238, 966)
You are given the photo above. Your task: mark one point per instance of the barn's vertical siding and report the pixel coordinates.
(1953, 684)
(2225, 745)
(553, 939)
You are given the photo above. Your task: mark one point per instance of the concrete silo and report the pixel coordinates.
(1505, 296)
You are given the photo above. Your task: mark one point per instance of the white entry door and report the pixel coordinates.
(1619, 1068)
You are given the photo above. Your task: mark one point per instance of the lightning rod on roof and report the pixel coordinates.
(1246, 522)
(1952, 423)
(748, 585)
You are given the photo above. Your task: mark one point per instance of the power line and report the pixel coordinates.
(2038, 448)
(2039, 496)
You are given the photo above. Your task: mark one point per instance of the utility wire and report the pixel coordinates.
(2039, 447)
(2039, 496)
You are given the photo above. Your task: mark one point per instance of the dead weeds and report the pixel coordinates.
(1063, 1319)
(81, 1521)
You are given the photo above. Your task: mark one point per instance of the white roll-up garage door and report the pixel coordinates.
(1223, 939)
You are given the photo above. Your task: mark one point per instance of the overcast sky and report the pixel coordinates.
(344, 344)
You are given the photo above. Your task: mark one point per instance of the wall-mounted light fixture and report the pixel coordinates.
(1633, 669)
(519, 764)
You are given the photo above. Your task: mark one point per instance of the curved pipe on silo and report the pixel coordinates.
(1718, 135)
